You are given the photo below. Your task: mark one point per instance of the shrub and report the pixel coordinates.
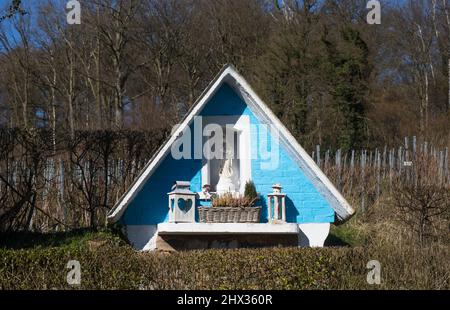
(109, 263)
(423, 203)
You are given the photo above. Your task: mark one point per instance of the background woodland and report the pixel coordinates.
(83, 107)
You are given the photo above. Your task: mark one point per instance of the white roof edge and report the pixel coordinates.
(341, 206)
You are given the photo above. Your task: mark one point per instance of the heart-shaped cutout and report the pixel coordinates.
(184, 205)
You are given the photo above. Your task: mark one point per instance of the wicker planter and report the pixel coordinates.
(229, 214)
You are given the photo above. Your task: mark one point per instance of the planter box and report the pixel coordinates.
(229, 214)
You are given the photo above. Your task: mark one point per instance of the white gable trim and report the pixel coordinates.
(264, 114)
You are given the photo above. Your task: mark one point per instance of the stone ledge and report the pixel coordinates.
(226, 228)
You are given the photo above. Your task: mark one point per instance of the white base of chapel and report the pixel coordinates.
(313, 234)
(226, 228)
(142, 237)
(147, 237)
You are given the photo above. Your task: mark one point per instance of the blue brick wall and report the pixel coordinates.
(303, 202)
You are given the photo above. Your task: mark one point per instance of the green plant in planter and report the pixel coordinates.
(250, 190)
(228, 200)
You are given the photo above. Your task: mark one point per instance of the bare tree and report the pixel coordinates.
(18, 60)
(423, 202)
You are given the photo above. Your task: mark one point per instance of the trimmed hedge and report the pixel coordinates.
(108, 263)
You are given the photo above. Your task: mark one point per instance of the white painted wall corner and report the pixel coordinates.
(313, 234)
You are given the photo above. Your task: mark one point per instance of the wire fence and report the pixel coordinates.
(68, 195)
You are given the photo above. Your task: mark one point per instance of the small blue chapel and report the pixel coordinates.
(190, 193)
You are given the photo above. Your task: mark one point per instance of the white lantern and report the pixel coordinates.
(277, 210)
(181, 203)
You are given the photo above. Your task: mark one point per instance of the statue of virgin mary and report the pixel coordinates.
(227, 176)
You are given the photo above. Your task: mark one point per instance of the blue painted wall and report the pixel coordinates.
(304, 204)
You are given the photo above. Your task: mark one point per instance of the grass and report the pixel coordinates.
(30, 240)
(348, 234)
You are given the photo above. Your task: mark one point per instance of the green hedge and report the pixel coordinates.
(108, 263)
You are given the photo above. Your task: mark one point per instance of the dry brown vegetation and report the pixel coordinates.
(423, 203)
(47, 186)
(228, 200)
(333, 79)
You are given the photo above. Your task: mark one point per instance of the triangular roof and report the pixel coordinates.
(229, 75)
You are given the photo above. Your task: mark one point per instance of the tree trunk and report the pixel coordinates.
(447, 18)
(92, 218)
(427, 99)
(448, 107)
(118, 104)
(53, 106)
(97, 69)
(71, 97)
(25, 102)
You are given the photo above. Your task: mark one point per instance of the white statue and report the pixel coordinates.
(227, 176)
(227, 168)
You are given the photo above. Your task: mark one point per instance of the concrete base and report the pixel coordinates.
(313, 234)
(227, 228)
(142, 237)
(185, 236)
